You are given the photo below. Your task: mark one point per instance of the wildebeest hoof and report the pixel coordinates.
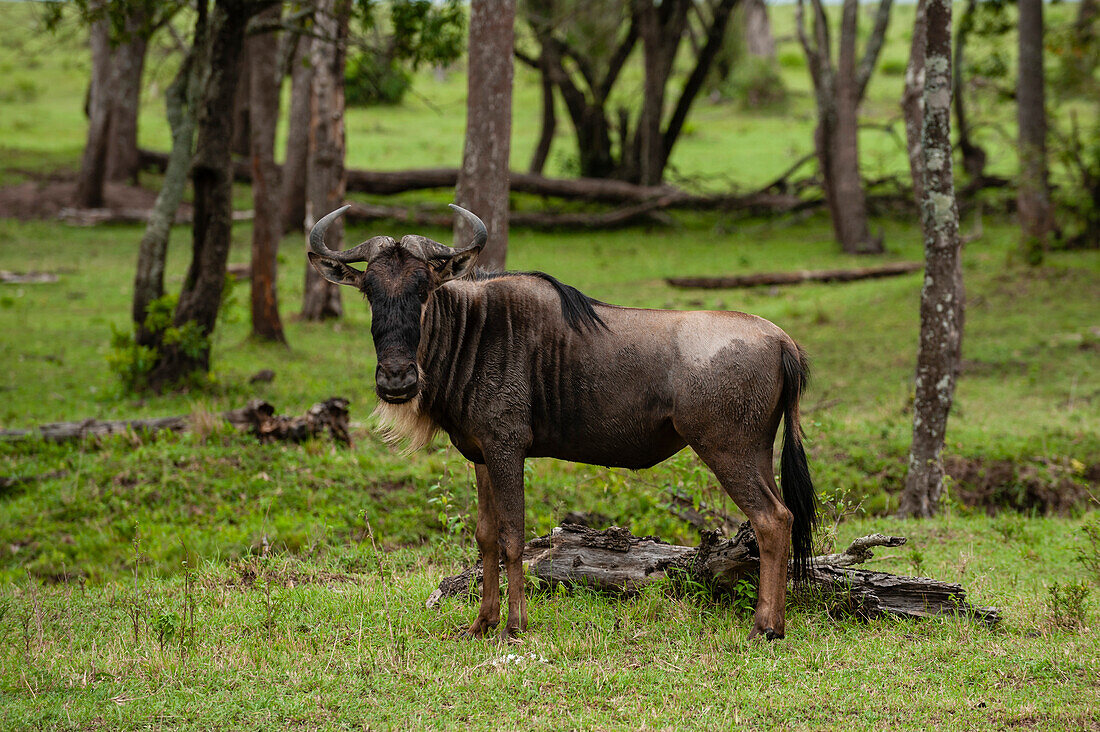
(766, 633)
(477, 630)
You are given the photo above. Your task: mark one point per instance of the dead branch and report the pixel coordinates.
(797, 277)
(26, 278)
(620, 563)
(258, 417)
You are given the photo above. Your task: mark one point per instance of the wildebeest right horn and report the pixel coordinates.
(361, 253)
(481, 234)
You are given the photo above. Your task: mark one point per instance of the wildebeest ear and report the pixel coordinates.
(458, 265)
(333, 271)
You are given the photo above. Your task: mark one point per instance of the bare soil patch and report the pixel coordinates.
(1046, 485)
(43, 198)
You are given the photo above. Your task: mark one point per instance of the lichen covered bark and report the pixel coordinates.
(942, 297)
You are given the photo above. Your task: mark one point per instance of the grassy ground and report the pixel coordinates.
(207, 581)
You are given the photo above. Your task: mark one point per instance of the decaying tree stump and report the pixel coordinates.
(258, 417)
(617, 562)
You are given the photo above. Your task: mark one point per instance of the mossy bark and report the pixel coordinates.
(942, 297)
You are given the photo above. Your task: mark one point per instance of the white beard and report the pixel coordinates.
(405, 422)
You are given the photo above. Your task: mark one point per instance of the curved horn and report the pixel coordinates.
(361, 253)
(481, 234)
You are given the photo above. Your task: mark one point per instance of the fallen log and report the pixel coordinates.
(97, 216)
(26, 278)
(258, 417)
(891, 269)
(617, 562)
(386, 182)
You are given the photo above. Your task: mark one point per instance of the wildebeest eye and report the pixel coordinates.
(422, 289)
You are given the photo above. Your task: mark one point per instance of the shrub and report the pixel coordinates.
(756, 84)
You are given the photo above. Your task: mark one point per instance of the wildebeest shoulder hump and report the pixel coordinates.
(576, 307)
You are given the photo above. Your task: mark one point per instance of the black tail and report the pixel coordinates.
(798, 488)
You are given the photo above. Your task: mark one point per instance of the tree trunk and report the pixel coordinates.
(128, 63)
(660, 27)
(93, 164)
(265, 80)
(758, 29)
(912, 102)
(973, 155)
(483, 180)
(180, 101)
(1033, 197)
(326, 180)
(849, 203)
(297, 138)
(549, 117)
(942, 297)
(212, 178)
(242, 118)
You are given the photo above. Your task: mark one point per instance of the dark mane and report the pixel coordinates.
(576, 307)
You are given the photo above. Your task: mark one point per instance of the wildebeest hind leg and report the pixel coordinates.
(488, 543)
(749, 482)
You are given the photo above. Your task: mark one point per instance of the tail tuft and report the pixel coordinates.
(798, 488)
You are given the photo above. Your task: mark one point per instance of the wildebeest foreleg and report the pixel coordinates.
(751, 485)
(507, 482)
(488, 543)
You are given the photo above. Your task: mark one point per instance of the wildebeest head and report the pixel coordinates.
(398, 280)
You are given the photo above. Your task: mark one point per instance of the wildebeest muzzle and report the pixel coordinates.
(397, 383)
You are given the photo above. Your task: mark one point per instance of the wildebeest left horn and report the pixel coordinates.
(361, 253)
(481, 234)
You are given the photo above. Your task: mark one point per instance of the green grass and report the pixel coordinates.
(266, 642)
(307, 565)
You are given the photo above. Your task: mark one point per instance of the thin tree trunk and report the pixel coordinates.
(265, 80)
(660, 26)
(838, 93)
(758, 29)
(973, 155)
(128, 63)
(942, 298)
(93, 164)
(850, 214)
(212, 178)
(326, 179)
(1033, 197)
(549, 117)
(180, 101)
(297, 138)
(912, 101)
(242, 132)
(483, 180)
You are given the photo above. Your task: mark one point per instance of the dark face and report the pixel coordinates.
(398, 281)
(397, 285)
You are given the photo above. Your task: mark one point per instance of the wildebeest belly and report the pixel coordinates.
(614, 411)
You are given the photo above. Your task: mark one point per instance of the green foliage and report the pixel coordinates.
(1067, 605)
(893, 67)
(1089, 554)
(1077, 153)
(419, 32)
(370, 79)
(756, 83)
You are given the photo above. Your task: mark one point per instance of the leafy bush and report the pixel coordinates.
(1067, 605)
(371, 79)
(756, 84)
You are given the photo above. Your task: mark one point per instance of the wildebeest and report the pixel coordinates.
(515, 365)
